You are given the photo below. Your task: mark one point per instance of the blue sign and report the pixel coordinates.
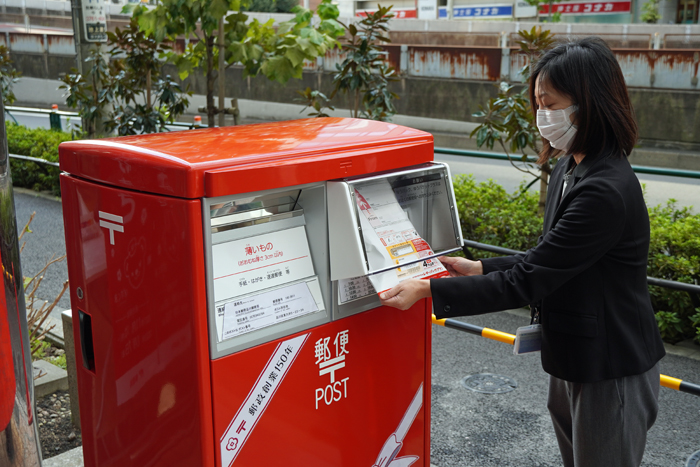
(479, 11)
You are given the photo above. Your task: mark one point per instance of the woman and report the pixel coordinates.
(600, 341)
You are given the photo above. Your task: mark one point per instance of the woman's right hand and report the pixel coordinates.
(458, 266)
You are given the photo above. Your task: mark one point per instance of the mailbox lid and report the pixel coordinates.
(238, 159)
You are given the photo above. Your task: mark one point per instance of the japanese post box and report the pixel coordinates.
(219, 284)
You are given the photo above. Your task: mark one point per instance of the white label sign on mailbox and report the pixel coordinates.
(250, 313)
(256, 263)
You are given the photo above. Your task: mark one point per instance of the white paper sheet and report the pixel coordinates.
(255, 312)
(256, 263)
(354, 288)
(390, 238)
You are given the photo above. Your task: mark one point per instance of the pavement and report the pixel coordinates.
(468, 428)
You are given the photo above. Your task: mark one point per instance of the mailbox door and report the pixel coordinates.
(352, 392)
(139, 326)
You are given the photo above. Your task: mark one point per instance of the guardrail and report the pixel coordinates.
(503, 157)
(488, 333)
(438, 150)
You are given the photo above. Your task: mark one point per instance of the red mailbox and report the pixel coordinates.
(219, 290)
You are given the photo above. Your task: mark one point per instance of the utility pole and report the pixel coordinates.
(89, 31)
(222, 74)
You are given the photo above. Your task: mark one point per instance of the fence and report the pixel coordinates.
(676, 69)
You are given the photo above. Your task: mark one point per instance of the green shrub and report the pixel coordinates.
(674, 254)
(489, 214)
(39, 143)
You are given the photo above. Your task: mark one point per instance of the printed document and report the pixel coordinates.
(391, 240)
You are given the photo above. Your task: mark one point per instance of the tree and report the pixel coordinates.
(278, 53)
(90, 94)
(8, 76)
(128, 93)
(508, 119)
(650, 12)
(365, 74)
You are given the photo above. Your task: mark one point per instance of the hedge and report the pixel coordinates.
(491, 215)
(40, 143)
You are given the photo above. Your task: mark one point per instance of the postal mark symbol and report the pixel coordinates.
(232, 444)
(111, 222)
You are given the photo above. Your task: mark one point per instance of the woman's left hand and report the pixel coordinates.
(404, 295)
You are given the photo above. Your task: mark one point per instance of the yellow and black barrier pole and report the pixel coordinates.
(666, 381)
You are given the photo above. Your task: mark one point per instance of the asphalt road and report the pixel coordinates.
(471, 429)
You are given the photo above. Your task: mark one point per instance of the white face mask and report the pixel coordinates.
(556, 127)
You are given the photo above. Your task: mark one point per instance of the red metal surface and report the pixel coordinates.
(214, 162)
(148, 401)
(387, 361)
(8, 384)
(154, 398)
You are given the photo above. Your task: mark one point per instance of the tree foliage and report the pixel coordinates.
(8, 76)
(365, 74)
(650, 12)
(276, 51)
(126, 93)
(507, 119)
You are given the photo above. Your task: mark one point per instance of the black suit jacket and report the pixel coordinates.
(588, 271)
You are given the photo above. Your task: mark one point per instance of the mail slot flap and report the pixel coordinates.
(419, 202)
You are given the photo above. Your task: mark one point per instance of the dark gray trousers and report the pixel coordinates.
(604, 424)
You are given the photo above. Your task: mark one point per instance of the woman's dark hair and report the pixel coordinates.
(587, 72)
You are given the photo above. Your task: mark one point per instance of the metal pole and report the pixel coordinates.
(82, 50)
(222, 74)
(19, 437)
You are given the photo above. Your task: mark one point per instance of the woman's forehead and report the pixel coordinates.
(543, 87)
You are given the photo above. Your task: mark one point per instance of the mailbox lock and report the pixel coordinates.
(79, 293)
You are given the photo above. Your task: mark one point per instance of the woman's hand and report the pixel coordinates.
(404, 295)
(458, 266)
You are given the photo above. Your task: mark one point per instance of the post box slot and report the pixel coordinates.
(86, 345)
(267, 272)
(423, 193)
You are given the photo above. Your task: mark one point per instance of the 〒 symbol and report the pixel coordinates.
(105, 217)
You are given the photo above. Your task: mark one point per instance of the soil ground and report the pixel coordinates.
(56, 432)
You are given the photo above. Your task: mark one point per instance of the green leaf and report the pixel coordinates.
(238, 53)
(217, 9)
(295, 56)
(279, 69)
(326, 10)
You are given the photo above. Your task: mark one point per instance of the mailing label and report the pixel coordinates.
(250, 313)
(391, 239)
(354, 289)
(256, 263)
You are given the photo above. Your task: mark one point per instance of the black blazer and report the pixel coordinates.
(588, 271)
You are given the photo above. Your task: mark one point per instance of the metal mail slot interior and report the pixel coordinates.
(277, 226)
(426, 195)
